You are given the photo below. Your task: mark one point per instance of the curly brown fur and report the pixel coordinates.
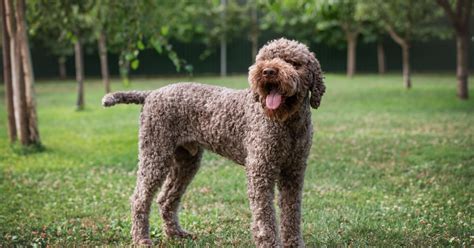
(266, 128)
(136, 97)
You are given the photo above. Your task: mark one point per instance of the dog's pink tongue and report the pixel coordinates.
(273, 100)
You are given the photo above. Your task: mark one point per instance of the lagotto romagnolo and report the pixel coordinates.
(266, 128)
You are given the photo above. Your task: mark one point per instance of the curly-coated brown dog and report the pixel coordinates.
(266, 128)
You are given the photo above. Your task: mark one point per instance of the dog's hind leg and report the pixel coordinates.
(156, 157)
(148, 182)
(186, 164)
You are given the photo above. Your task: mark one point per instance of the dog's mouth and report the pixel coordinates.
(274, 98)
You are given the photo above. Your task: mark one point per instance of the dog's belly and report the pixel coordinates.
(229, 151)
(224, 135)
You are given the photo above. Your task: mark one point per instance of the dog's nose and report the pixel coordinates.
(269, 72)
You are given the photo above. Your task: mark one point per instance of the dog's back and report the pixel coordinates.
(212, 116)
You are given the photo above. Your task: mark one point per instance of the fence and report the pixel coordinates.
(431, 56)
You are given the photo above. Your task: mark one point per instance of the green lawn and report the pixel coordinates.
(388, 167)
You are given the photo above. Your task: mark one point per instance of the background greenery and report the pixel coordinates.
(170, 37)
(388, 167)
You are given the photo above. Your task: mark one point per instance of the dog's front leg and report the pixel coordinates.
(261, 183)
(290, 187)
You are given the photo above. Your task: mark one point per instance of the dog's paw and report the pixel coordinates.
(179, 233)
(144, 242)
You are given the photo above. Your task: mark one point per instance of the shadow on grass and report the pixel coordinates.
(24, 150)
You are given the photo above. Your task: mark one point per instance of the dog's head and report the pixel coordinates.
(284, 73)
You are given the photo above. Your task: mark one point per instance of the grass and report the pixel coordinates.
(388, 167)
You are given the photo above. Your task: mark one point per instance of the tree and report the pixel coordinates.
(43, 30)
(70, 20)
(104, 64)
(79, 25)
(254, 27)
(120, 26)
(381, 65)
(133, 26)
(56, 44)
(296, 19)
(334, 22)
(56, 24)
(79, 63)
(7, 78)
(373, 32)
(100, 14)
(459, 17)
(211, 21)
(223, 61)
(343, 13)
(124, 27)
(73, 23)
(21, 74)
(406, 21)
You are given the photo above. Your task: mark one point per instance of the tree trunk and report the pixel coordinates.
(62, 67)
(351, 53)
(79, 74)
(7, 76)
(19, 96)
(18, 86)
(28, 76)
(223, 42)
(124, 69)
(254, 41)
(104, 67)
(462, 71)
(254, 31)
(406, 65)
(459, 17)
(381, 57)
(223, 57)
(405, 45)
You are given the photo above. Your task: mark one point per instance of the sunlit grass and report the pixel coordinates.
(388, 167)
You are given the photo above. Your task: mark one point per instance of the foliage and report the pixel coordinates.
(69, 16)
(327, 21)
(130, 26)
(323, 21)
(337, 15)
(57, 24)
(294, 18)
(208, 21)
(387, 168)
(412, 19)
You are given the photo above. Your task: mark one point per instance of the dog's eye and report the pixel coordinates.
(295, 64)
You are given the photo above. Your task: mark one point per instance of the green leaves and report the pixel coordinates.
(134, 64)
(164, 30)
(157, 45)
(413, 20)
(140, 45)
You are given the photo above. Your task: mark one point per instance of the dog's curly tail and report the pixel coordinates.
(136, 97)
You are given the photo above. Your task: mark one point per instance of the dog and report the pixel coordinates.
(266, 128)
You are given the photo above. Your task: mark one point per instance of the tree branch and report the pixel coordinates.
(395, 36)
(449, 12)
(459, 5)
(467, 13)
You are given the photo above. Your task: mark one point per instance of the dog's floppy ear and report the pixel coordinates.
(316, 87)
